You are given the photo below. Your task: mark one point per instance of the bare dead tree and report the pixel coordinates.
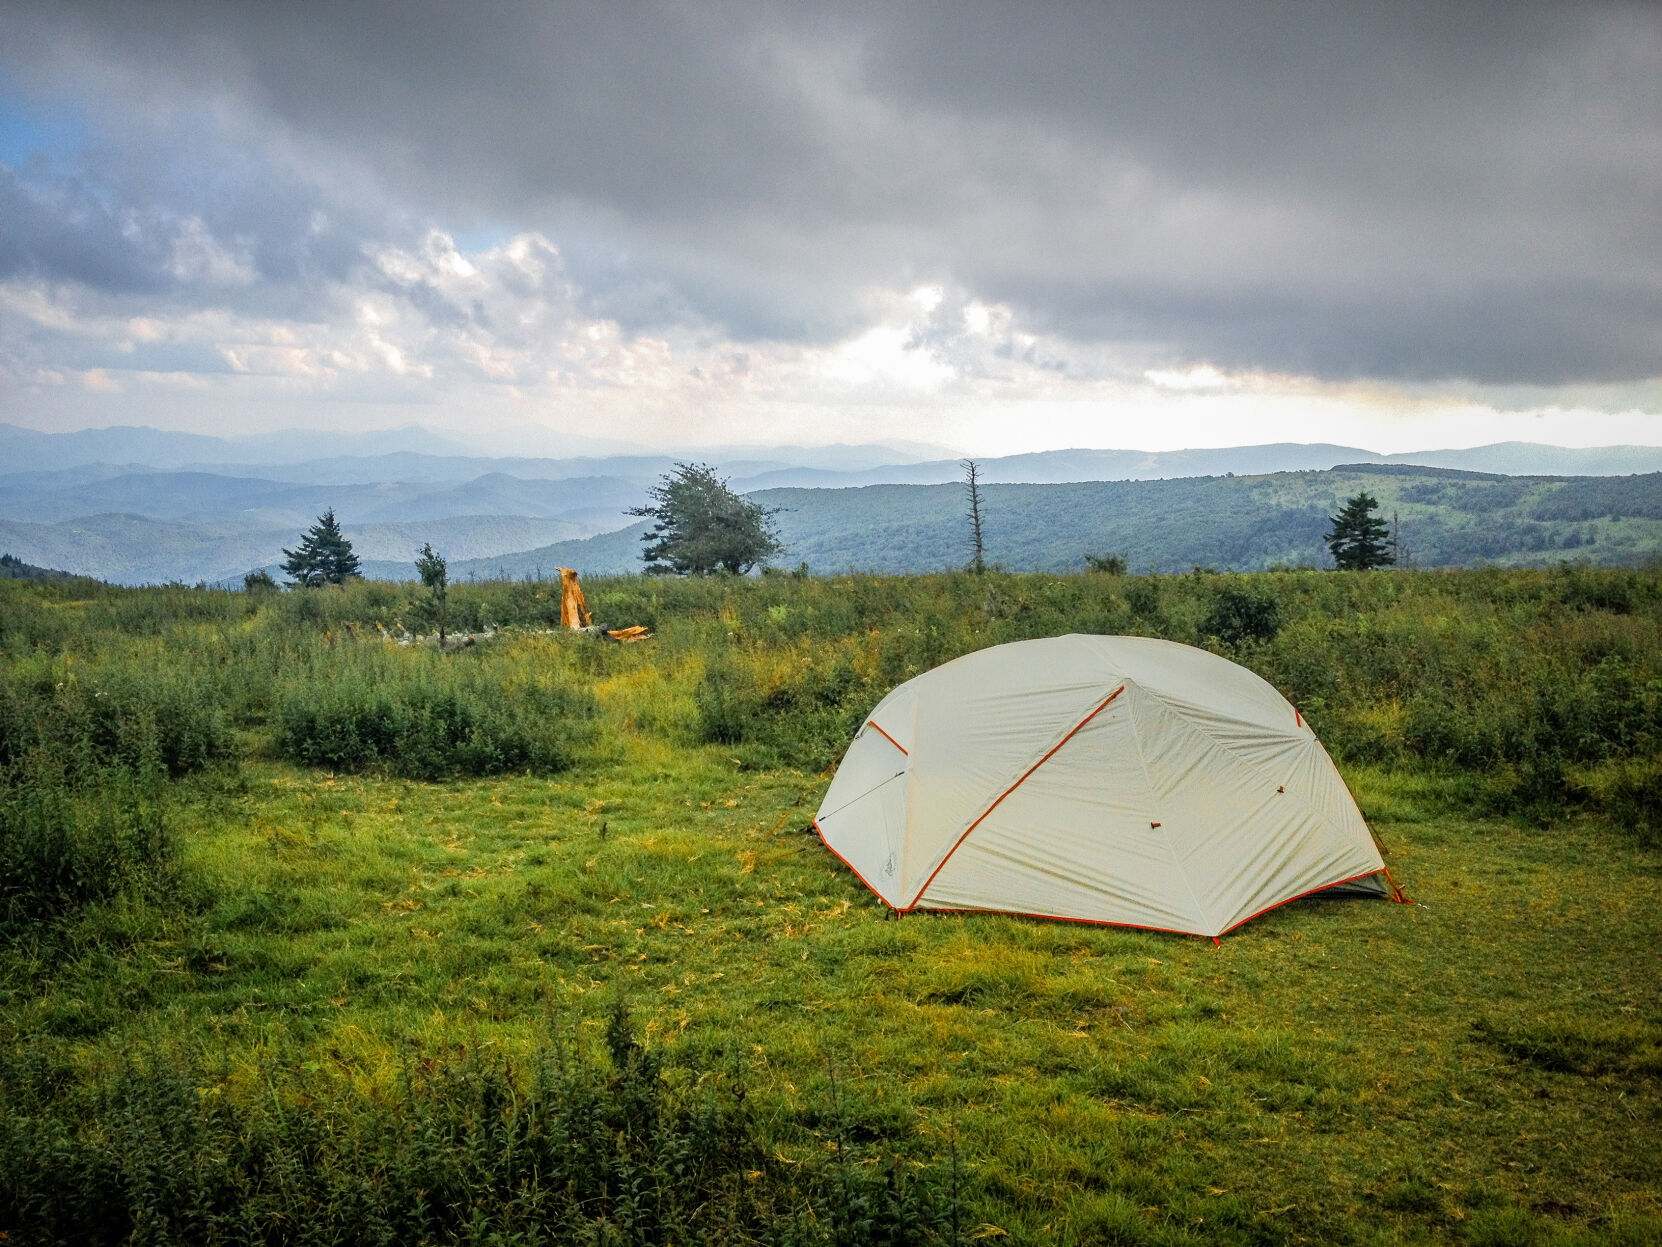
(1401, 555)
(972, 479)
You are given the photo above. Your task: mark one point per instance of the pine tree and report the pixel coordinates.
(430, 566)
(1359, 539)
(323, 557)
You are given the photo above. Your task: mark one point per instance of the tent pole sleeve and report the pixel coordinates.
(874, 723)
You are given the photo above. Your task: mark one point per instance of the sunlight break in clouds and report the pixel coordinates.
(501, 334)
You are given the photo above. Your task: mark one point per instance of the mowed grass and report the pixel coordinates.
(1484, 1063)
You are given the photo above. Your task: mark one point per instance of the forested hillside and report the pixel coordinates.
(16, 569)
(1261, 506)
(1447, 518)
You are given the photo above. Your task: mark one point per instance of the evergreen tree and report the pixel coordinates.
(1359, 539)
(435, 575)
(702, 526)
(323, 557)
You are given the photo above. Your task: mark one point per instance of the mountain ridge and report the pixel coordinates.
(1448, 517)
(416, 445)
(102, 519)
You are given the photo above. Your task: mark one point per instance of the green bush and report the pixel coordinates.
(1633, 801)
(84, 753)
(803, 714)
(427, 716)
(1143, 596)
(1240, 615)
(128, 715)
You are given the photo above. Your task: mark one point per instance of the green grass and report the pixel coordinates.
(1483, 1066)
(1349, 1071)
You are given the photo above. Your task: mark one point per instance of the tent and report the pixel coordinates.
(1110, 779)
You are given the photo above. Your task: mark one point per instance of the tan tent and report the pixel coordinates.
(1109, 779)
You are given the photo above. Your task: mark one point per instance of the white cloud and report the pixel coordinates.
(200, 258)
(1199, 377)
(503, 334)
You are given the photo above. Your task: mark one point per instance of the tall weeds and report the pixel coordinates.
(85, 750)
(554, 1148)
(1537, 692)
(423, 715)
(64, 846)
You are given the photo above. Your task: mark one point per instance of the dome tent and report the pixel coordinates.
(1120, 780)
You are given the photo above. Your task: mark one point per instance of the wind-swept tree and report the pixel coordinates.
(702, 526)
(1358, 538)
(323, 557)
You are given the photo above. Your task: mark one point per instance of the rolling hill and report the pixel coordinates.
(1447, 518)
(16, 569)
(133, 549)
(1245, 506)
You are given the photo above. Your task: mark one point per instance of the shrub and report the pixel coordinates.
(425, 717)
(425, 732)
(131, 716)
(1613, 591)
(1142, 595)
(1633, 801)
(1241, 615)
(804, 712)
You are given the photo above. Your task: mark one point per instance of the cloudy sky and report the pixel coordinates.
(987, 226)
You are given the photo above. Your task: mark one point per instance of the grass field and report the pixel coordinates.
(1484, 1066)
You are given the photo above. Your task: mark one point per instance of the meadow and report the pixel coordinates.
(310, 932)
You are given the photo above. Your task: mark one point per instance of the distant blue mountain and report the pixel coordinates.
(124, 518)
(29, 449)
(133, 549)
(414, 453)
(1055, 467)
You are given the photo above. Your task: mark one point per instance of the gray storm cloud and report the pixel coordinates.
(1404, 192)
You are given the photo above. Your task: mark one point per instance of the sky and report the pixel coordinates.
(979, 226)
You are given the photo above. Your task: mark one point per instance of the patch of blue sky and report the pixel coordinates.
(35, 130)
(481, 236)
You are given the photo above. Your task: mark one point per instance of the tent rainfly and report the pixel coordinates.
(1119, 780)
